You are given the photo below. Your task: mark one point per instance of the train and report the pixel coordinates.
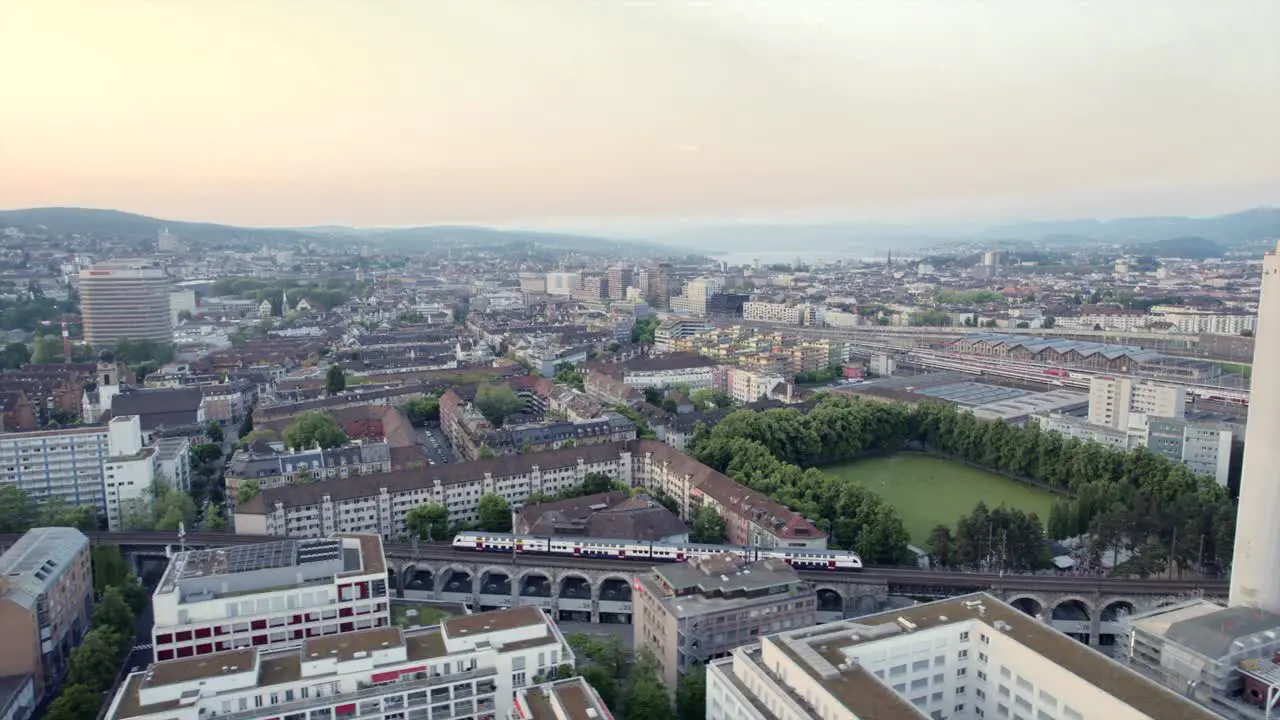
(644, 551)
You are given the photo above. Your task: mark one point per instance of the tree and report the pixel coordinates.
(15, 355)
(48, 350)
(18, 511)
(314, 428)
(214, 519)
(497, 403)
(1048, 322)
(266, 435)
(647, 698)
(113, 613)
(691, 694)
(184, 315)
(247, 491)
(485, 453)
(206, 453)
(213, 429)
(422, 410)
(494, 513)
(941, 547)
(56, 512)
(246, 426)
(75, 702)
(567, 374)
(596, 482)
(644, 331)
(94, 664)
(654, 396)
(109, 567)
(429, 522)
(135, 595)
(709, 398)
(603, 683)
(335, 380)
(708, 526)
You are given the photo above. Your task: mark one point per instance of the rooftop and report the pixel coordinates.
(721, 582)
(36, 560)
(824, 654)
(571, 699)
(200, 575)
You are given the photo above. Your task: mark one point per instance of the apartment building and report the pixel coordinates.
(746, 386)
(1112, 399)
(472, 666)
(105, 466)
(1205, 447)
(664, 371)
(570, 699)
(46, 601)
(756, 311)
(378, 504)
(269, 595)
(966, 657)
(671, 330)
(689, 613)
(125, 300)
(1193, 321)
(271, 465)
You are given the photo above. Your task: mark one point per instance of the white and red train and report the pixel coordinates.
(642, 551)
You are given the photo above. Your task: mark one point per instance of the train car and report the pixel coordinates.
(500, 542)
(816, 559)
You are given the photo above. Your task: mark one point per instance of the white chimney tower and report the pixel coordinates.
(1255, 568)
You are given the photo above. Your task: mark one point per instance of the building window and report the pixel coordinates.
(964, 655)
(964, 636)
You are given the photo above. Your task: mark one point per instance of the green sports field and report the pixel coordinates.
(928, 491)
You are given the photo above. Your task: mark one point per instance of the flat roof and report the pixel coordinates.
(575, 698)
(867, 696)
(466, 625)
(345, 646)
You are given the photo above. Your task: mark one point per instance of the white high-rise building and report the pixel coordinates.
(125, 300)
(1111, 399)
(561, 283)
(1254, 580)
(964, 658)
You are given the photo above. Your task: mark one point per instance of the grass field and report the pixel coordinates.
(928, 491)
(426, 614)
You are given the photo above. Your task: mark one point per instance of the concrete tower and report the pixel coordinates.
(1255, 569)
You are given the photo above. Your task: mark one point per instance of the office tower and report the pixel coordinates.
(125, 300)
(1254, 580)
(45, 603)
(1111, 400)
(660, 286)
(619, 280)
(561, 283)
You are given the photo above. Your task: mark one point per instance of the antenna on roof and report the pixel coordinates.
(182, 536)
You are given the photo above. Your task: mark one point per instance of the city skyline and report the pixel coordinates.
(614, 116)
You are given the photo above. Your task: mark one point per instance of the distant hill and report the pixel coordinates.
(123, 225)
(1260, 225)
(1181, 247)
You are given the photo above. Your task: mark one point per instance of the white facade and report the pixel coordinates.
(772, 312)
(180, 300)
(129, 472)
(969, 657)
(122, 300)
(697, 378)
(467, 667)
(99, 466)
(836, 318)
(1203, 447)
(269, 595)
(747, 387)
(1254, 580)
(1191, 321)
(1111, 399)
(561, 283)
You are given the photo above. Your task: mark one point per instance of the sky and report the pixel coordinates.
(628, 113)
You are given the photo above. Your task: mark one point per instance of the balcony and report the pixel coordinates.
(363, 692)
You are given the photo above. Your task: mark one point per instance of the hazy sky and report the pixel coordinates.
(573, 112)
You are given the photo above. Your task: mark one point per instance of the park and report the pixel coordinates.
(928, 491)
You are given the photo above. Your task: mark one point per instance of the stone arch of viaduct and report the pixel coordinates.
(402, 572)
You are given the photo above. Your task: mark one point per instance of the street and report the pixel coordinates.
(435, 446)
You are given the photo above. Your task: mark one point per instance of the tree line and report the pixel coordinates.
(95, 663)
(1135, 499)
